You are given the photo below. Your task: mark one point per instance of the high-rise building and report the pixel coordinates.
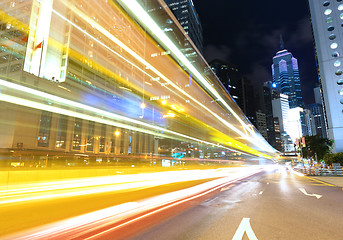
(230, 77)
(269, 93)
(261, 123)
(277, 134)
(281, 111)
(285, 72)
(249, 100)
(315, 116)
(326, 18)
(317, 119)
(186, 14)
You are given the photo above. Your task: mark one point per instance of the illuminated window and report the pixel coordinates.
(333, 45)
(77, 134)
(340, 81)
(62, 132)
(337, 63)
(327, 11)
(341, 16)
(335, 54)
(332, 36)
(90, 137)
(340, 7)
(44, 129)
(102, 138)
(331, 28)
(329, 20)
(326, 3)
(339, 72)
(340, 92)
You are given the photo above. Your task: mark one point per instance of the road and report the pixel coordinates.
(276, 204)
(87, 206)
(246, 204)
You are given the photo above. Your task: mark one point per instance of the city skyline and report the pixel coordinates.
(253, 42)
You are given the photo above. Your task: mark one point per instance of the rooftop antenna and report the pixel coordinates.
(282, 44)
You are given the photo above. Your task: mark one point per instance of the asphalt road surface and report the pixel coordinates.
(271, 205)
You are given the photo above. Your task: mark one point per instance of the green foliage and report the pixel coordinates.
(333, 158)
(316, 145)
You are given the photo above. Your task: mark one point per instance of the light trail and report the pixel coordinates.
(72, 188)
(91, 225)
(143, 61)
(149, 23)
(258, 141)
(50, 108)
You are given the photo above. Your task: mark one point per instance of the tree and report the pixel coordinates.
(316, 145)
(333, 158)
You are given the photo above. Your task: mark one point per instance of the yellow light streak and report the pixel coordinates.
(148, 22)
(149, 66)
(79, 226)
(96, 185)
(31, 104)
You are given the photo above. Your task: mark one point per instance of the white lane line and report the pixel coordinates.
(311, 195)
(261, 192)
(244, 227)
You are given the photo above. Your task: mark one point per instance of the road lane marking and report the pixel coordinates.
(227, 188)
(328, 184)
(311, 195)
(242, 228)
(261, 192)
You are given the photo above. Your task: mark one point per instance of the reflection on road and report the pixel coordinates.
(192, 184)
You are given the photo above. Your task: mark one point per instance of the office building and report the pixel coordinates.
(230, 76)
(270, 93)
(326, 18)
(281, 111)
(317, 120)
(285, 73)
(187, 16)
(261, 123)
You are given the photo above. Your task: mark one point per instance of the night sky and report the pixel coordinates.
(247, 34)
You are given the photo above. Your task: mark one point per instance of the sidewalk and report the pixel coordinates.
(338, 181)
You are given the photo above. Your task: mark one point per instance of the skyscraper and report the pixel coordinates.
(286, 76)
(326, 18)
(186, 14)
(230, 77)
(289, 121)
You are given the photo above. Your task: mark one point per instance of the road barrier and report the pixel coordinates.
(322, 171)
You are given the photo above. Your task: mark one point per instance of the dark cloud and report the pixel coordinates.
(259, 73)
(301, 34)
(212, 52)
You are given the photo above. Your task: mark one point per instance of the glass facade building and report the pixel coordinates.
(98, 80)
(285, 73)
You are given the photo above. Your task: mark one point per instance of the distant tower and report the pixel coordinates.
(285, 72)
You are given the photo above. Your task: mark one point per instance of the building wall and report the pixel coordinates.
(326, 17)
